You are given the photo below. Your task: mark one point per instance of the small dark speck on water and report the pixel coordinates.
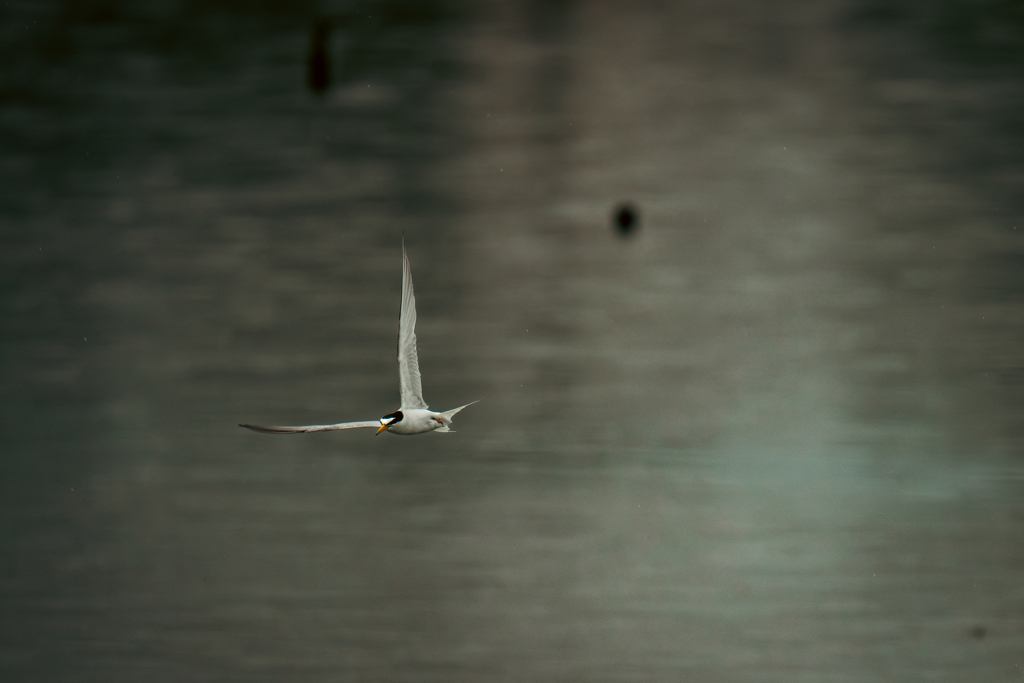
(626, 219)
(979, 632)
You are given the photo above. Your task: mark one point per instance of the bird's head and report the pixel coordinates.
(389, 420)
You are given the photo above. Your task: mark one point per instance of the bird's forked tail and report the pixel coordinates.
(447, 417)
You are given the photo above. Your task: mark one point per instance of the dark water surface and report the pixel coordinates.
(773, 433)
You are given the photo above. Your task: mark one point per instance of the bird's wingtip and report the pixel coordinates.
(271, 430)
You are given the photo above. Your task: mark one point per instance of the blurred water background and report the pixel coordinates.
(774, 433)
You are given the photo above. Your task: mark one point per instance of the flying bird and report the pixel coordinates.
(414, 417)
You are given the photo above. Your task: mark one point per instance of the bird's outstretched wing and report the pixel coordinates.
(408, 359)
(311, 428)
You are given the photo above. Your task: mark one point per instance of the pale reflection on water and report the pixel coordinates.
(773, 435)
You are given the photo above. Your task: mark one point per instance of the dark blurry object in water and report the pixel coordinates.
(626, 219)
(319, 64)
(979, 632)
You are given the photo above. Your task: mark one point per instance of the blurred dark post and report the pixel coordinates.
(319, 61)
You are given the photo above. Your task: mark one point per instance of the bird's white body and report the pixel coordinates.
(416, 422)
(414, 417)
(419, 421)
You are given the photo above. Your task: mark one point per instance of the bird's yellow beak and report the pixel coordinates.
(382, 428)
